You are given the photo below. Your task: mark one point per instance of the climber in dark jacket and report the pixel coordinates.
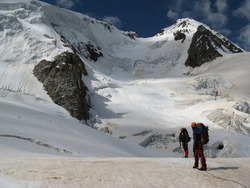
(183, 140)
(198, 149)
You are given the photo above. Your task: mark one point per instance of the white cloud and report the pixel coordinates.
(176, 9)
(244, 10)
(214, 17)
(217, 19)
(66, 3)
(172, 15)
(221, 5)
(113, 20)
(225, 32)
(203, 7)
(211, 12)
(244, 37)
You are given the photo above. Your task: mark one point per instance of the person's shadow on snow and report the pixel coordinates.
(224, 168)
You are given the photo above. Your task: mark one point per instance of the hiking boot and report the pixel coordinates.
(203, 169)
(195, 166)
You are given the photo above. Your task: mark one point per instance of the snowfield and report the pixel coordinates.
(42, 146)
(123, 173)
(141, 95)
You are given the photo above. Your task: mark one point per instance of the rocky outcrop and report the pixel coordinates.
(93, 52)
(205, 47)
(179, 36)
(89, 51)
(62, 79)
(131, 34)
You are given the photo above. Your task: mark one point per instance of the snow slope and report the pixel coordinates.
(32, 127)
(141, 96)
(123, 172)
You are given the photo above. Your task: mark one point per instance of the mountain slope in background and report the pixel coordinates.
(34, 31)
(122, 84)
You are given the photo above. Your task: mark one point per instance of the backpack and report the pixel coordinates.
(203, 132)
(184, 136)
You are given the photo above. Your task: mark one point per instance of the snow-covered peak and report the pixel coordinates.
(184, 25)
(187, 23)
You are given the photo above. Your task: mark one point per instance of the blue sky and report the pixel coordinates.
(147, 17)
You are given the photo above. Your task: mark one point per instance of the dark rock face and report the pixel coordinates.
(93, 52)
(89, 50)
(179, 36)
(131, 34)
(204, 47)
(62, 79)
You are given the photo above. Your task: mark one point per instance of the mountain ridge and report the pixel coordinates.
(34, 31)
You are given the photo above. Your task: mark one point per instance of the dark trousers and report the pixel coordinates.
(199, 153)
(185, 147)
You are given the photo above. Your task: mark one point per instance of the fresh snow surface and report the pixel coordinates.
(141, 96)
(123, 173)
